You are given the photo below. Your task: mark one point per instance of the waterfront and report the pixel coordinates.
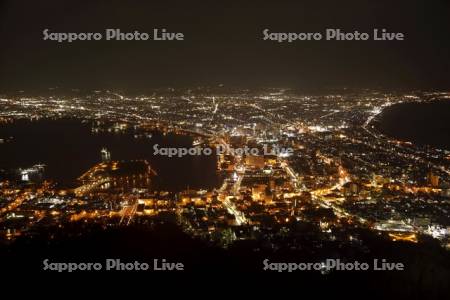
(68, 148)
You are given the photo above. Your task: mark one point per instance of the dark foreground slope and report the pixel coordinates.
(426, 274)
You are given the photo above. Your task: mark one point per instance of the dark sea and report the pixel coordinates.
(68, 148)
(419, 123)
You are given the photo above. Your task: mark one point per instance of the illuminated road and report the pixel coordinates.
(128, 212)
(295, 179)
(231, 208)
(227, 203)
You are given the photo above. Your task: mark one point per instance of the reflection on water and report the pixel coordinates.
(69, 148)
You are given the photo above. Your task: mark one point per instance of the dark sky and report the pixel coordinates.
(223, 44)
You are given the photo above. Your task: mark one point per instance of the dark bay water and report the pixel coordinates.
(420, 123)
(68, 148)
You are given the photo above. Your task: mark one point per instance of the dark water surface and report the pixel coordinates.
(420, 123)
(68, 148)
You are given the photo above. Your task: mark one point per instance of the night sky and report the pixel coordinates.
(223, 44)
